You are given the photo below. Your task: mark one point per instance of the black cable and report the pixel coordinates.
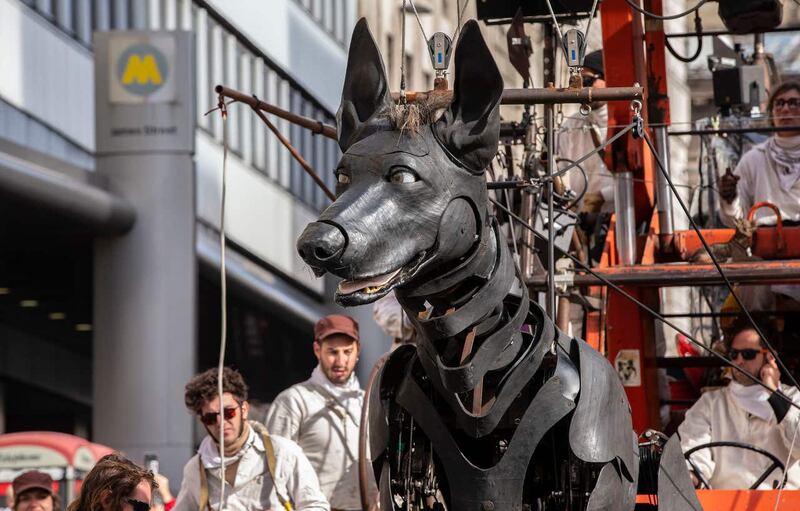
(768, 345)
(585, 180)
(698, 28)
(668, 17)
(652, 312)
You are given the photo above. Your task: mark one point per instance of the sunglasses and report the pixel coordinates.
(138, 505)
(210, 418)
(588, 80)
(747, 353)
(791, 103)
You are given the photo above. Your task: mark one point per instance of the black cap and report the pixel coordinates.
(594, 61)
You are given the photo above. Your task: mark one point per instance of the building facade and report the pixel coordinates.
(109, 267)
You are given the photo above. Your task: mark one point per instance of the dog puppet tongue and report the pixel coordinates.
(351, 286)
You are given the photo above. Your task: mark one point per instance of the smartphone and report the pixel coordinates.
(151, 462)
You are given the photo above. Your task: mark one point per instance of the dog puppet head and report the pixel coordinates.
(411, 202)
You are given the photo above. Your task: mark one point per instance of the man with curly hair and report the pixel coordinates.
(261, 471)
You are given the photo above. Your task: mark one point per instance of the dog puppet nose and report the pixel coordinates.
(320, 244)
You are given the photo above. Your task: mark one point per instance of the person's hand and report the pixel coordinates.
(695, 479)
(727, 185)
(769, 374)
(163, 488)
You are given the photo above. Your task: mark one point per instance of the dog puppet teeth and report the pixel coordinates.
(370, 285)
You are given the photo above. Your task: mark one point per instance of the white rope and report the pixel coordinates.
(460, 11)
(786, 467)
(588, 27)
(403, 54)
(414, 7)
(223, 300)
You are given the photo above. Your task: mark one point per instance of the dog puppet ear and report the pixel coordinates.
(365, 96)
(470, 129)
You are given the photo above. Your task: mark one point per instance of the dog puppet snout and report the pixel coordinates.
(321, 245)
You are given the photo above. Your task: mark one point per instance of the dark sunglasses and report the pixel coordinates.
(747, 353)
(588, 80)
(138, 505)
(791, 103)
(210, 418)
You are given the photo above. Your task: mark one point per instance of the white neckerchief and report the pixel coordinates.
(784, 153)
(752, 398)
(348, 395)
(209, 451)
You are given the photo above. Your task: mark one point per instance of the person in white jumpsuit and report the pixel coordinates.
(748, 413)
(769, 172)
(323, 413)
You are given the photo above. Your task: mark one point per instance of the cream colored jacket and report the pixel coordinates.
(715, 417)
(254, 489)
(328, 435)
(758, 181)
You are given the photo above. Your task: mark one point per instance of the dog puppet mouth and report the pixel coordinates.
(365, 290)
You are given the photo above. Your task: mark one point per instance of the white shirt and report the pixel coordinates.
(253, 488)
(716, 417)
(575, 141)
(324, 420)
(759, 182)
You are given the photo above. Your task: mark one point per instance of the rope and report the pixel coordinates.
(589, 154)
(414, 7)
(403, 54)
(223, 299)
(786, 465)
(460, 12)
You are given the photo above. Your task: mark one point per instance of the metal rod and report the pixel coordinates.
(725, 314)
(297, 156)
(548, 70)
(544, 96)
(663, 197)
(731, 131)
(551, 264)
(685, 274)
(315, 126)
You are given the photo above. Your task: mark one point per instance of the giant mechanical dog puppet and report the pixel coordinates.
(494, 409)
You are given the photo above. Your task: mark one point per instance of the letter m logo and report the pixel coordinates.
(141, 69)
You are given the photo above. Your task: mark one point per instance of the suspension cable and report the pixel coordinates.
(419, 21)
(223, 301)
(696, 229)
(649, 14)
(656, 315)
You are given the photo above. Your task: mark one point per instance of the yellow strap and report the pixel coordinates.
(270, 453)
(203, 485)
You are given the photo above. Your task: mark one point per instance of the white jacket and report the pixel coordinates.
(759, 182)
(253, 489)
(326, 427)
(716, 417)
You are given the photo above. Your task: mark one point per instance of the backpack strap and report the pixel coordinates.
(269, 451)
(203, 485)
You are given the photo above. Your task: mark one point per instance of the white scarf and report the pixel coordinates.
(348, 395)
(752, 398)
(784, 153)
(209, 451)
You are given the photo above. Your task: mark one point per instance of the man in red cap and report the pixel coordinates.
(323, 413)
(33, 491)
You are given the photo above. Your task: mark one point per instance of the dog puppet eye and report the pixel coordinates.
(403, 175)
(342, 178)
